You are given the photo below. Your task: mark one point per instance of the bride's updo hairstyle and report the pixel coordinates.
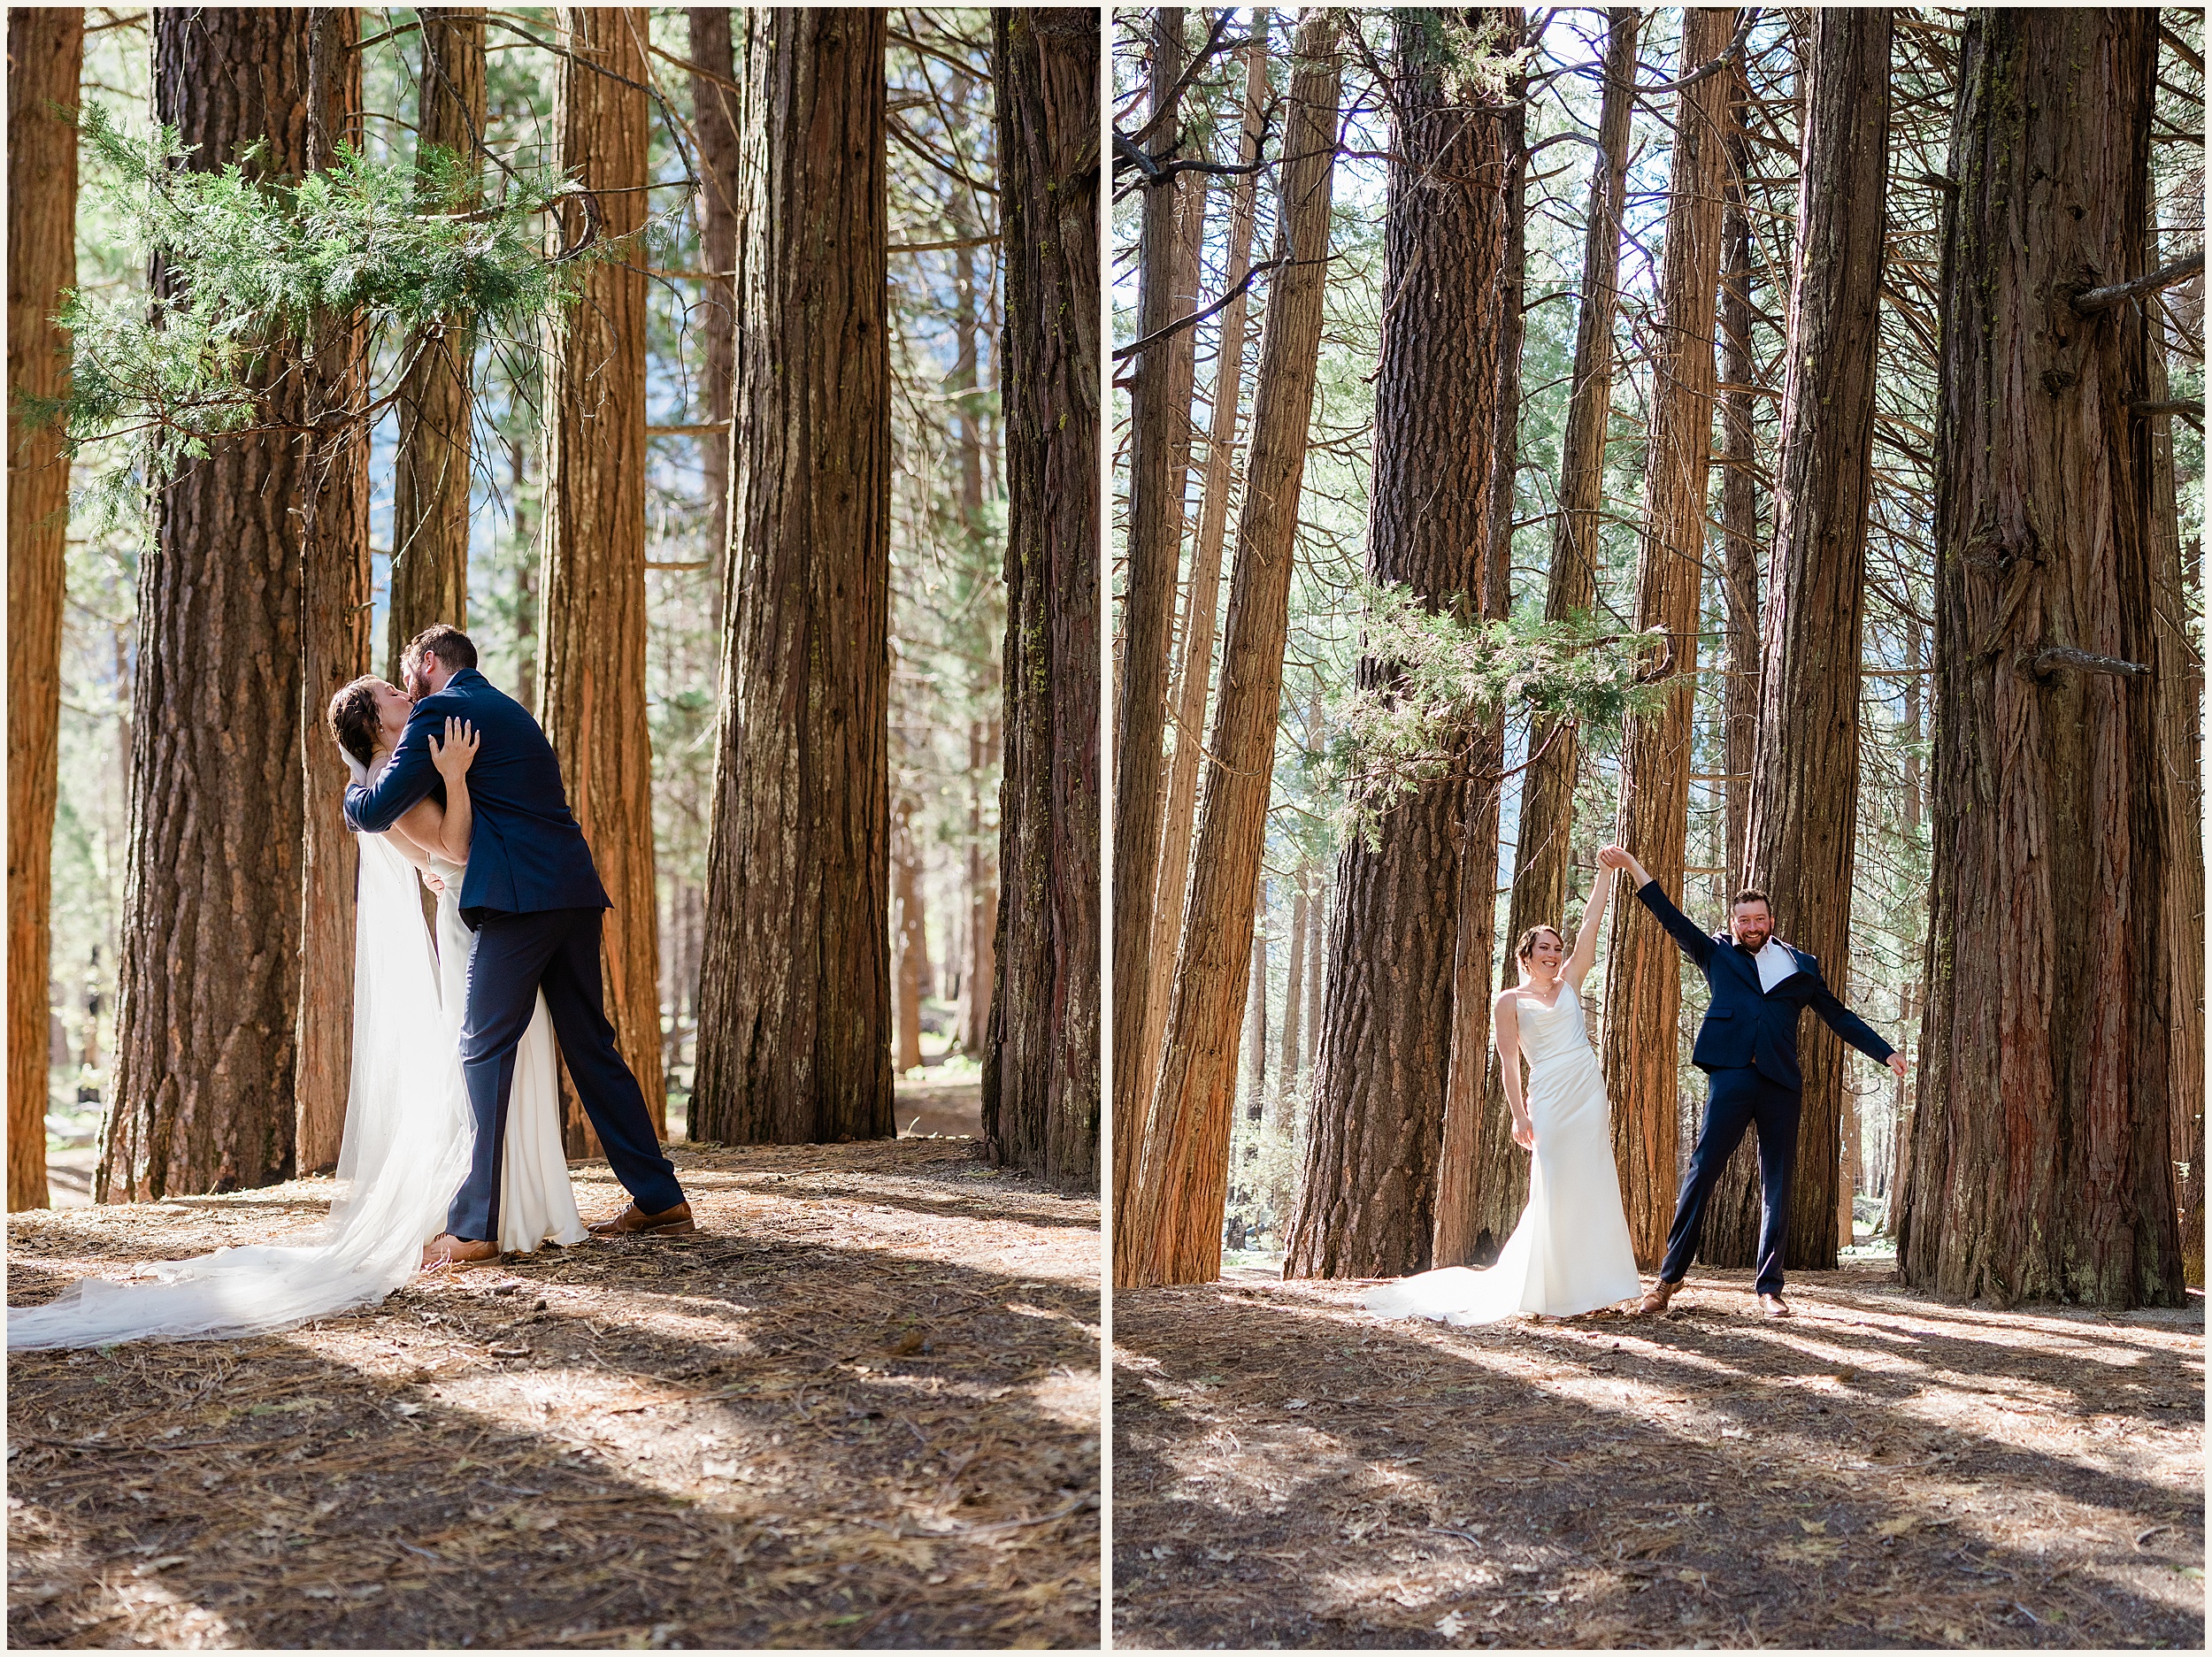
(1527, 946)
(353, 720)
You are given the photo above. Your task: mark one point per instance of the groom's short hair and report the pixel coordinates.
(444, 640)
(1752, 895)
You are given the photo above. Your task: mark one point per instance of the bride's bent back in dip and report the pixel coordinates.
(409, 1131)
(1570, 1252)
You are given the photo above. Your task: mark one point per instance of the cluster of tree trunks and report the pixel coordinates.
(45, 58)
(1170, 1168)
(2042, 1142)
(1369, 1204)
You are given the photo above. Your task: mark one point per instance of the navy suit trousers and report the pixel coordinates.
(512, 958)
(1736, 1100)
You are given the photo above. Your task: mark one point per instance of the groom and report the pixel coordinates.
(1747, 1048)
(532, 900)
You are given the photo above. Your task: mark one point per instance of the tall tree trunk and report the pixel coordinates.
(1295, 985)
(1544, 846)
(1805, 790)
(431, 473)
(1368, 1203)
(721, 187)
(1255, 1043)
(794, 996)
(519, 457)
(1644, 985)
(982, 920)
(2180, 690)
(1195, 662)
(209, 975)
(591, 690)
(983, 742)
(2043, 1137)
(45, 58)
(1170, 1224)
(333, 509)
(1732, 1213)
(1317, 961)
(1159, 469)
(1042, 1074)
(1478, 1154)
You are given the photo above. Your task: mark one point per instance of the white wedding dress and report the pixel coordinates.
(408, 1136)
(1570, 1252)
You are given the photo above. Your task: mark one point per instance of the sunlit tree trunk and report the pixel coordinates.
(45, 57)
(1170, 1224)
(1043, 1065)
(1644, 986)
(795, 997)
(591, 692)
(1295, 983)
(714, 123)
(1367, 1205)
(430, 477)
(2042, 1157)
(909, 960)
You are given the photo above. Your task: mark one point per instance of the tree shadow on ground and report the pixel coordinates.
(1876, 1472)
(821, 1422)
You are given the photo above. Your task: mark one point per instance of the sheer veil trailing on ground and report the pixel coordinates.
(408, 1136)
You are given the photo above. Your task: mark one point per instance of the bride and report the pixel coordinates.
(408, 1131)
(1570, 1252)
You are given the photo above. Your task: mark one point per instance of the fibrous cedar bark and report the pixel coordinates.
(1547, 816)
(45, 57)
(794, 998)
(1159, 467)
(1168, 1229)
(209, 977)
(1194, 668)
(328, 400)
(1042, 1073)
(591, 688)
(714, 126)
(2041, 1161)
(1479, 1156)
(1644, 988)
(1367, 1202)
(430, 473)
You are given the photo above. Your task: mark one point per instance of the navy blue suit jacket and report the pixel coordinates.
(1745, 1027)
(525, 851)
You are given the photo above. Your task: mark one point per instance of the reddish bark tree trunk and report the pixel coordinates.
(1169, 1226)
(1367, 1206)
(1042, 1074)
(1644, 988)
(795, 998)
(721, 154)
(2043, 1137)
(45, 57)
(1805, 791)
(591, 692)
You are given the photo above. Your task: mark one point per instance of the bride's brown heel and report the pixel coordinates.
(1655, 1299)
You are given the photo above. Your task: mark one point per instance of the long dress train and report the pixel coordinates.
(1570, 1252)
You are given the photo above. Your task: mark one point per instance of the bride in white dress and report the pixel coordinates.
(1570, 1252)
(408, 1130)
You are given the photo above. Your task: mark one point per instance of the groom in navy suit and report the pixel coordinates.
(532, 899)
(1747, 1048)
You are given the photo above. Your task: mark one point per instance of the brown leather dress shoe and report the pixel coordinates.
(1655, 1299)
(1775, 1306)
(458, 1253)
(675, 1222)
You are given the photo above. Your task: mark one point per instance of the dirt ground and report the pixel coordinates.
(1881, 1471)
(861, 1409)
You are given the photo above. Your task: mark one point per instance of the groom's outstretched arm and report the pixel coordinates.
(1679, 926)
(407, 780)
(1847, 1023)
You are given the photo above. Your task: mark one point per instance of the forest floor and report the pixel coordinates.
(1883, 1470)
(860, 1408)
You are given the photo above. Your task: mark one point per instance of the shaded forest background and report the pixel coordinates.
(943, 186)
(1529, 104)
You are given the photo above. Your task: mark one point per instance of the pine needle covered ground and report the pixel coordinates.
(861, 1409)
(1881, 1471)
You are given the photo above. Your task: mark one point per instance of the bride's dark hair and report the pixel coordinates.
(1528, 940)
(353, 720)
